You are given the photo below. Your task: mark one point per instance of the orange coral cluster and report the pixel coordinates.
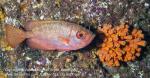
(120, 44)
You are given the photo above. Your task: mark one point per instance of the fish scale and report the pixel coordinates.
(53, 29)
(51, 35)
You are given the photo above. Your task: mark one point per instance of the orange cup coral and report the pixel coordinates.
(120, 44)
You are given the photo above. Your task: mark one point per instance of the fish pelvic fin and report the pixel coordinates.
(14, 36)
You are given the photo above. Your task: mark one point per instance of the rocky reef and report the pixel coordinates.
(23, 62)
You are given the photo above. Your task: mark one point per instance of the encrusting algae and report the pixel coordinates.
(4, 45)
(2, 15)
(120, 44)
(3, 75)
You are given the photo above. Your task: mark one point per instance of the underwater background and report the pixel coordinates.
(24, 62)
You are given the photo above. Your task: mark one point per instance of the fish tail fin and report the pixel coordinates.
(14, 36)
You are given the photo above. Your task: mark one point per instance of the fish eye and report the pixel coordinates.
(80, 35)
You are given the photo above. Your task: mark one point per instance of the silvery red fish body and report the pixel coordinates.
(52, 35)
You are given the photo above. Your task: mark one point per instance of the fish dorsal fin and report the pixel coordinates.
(38, 23)
(32, 24)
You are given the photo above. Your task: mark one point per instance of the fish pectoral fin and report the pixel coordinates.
(64, 40)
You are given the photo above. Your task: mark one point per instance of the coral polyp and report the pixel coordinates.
(120, 44)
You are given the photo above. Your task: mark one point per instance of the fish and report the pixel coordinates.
(50, 35)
